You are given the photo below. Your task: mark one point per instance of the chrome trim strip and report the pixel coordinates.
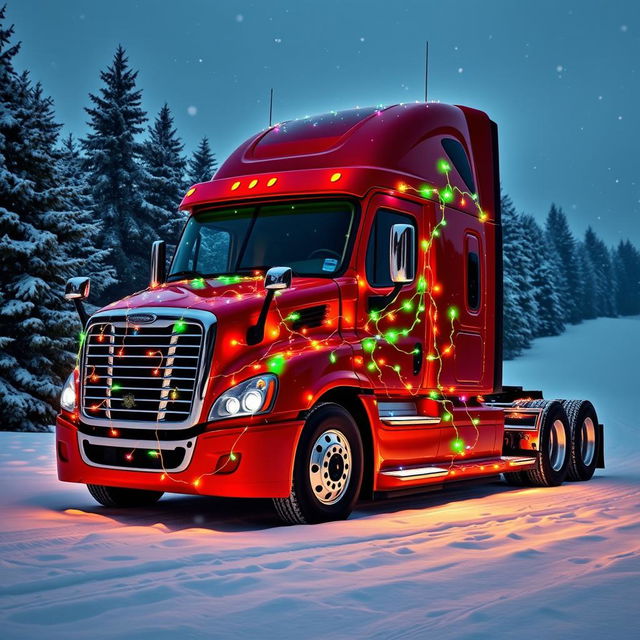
(162, 445)
(400, 421)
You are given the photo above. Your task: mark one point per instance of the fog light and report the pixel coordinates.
(227, 463)
(62, 451)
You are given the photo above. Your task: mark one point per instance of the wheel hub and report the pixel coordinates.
(330, 466)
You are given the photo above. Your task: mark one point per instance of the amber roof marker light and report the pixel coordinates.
(190, 192)
(235, 185)
(336, 176)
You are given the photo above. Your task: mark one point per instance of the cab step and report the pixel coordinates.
(477, 466)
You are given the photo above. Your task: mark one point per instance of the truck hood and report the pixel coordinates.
(226, 297)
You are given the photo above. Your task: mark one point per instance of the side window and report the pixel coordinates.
(473, 273)
(378, 273)
(460, 161)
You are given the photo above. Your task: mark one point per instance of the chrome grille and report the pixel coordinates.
(141, 372)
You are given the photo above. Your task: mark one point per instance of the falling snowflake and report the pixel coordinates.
(460, 69)
(559, 68)
(361, 39)
(239, 17)
(624, 28)
(192, 111)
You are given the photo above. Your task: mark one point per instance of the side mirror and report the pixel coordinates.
(402, 253)
(158, 263)
(77, 289)
(277, 278)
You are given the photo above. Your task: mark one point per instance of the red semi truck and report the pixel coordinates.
(330, 329)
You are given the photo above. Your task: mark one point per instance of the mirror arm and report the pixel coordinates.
(377, 303)
(255, 333)
(81, 311)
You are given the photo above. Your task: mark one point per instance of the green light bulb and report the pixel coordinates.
(180, 326)
(369, 344)
(276, 364)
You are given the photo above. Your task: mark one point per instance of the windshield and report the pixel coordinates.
(310, 237)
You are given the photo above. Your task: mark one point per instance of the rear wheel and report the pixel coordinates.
(585, 442)
(554, 445)
(327, 474)
(120, 497)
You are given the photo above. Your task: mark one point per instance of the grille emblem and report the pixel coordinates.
(138, 318)
(129, 400)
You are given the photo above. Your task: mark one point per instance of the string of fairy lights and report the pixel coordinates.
(404, 315)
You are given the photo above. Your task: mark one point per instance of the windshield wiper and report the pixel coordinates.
(183, 275)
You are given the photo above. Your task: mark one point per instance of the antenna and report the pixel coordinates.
(426, 69)
(270, 106)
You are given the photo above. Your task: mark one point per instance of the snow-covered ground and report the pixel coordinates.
(467, 563)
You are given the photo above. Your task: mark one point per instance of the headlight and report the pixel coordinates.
(68, 395)
(248, 398)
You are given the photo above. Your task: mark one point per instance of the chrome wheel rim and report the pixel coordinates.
(587, 441)
(557, 445)
(330, 466)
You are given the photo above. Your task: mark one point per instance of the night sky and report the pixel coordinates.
(561, 79)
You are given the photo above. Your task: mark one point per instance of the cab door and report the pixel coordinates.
(391, 330)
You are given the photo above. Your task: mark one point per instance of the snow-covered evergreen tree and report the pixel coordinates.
(519, 301)
(37, 326)
(545, 284)
(202, 164)
(80, 236)
(627, 267)
(604, 285)
(562, 240)
(164, 179)
(587, 303)
(116, 177)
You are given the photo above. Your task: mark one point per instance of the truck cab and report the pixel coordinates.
(330, 327)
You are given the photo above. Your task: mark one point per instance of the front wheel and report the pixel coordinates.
(327, 474)
(120, 497)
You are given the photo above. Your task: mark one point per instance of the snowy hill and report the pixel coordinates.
(491, 561)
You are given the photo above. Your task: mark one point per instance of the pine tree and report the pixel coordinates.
(544, 282)
(117, 179)
(587, 304)
(564, 244)
(627, 267)
(82, 231)
(202, 164)
(164, 179)
(519, 302)
(37, 341)
(604, 285)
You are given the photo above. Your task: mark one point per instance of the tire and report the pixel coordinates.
(554, 449)
(327, 473)
(119, 497)
(585, 441)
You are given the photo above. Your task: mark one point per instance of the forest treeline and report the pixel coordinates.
(93, 206)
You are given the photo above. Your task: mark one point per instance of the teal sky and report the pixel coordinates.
(560, 78)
